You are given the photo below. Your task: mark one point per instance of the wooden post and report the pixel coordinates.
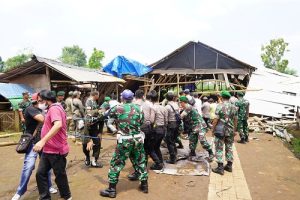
(117, 91)
(48, 78)
(17, 121)
(177, 84)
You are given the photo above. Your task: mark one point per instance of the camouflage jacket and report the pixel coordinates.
(23, 105)
(242, 106)
(105, 106)
(129, 118)
(192, 120)
(226, 112)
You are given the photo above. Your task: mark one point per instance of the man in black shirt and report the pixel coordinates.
(33, 120)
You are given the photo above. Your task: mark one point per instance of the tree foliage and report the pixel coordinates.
(1, 64)
(73, 55)
(96, 58)
(273, 56)
(16, 61)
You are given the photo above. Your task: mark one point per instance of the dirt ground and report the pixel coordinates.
(271, 170)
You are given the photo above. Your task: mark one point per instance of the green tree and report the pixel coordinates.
(291, 71)
(1, 65)
(96, 58)
(73, 55)
(273, 53)
(17, 61)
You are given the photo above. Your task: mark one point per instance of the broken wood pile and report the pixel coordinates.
(275, 127)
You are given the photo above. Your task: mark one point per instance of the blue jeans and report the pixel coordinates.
(28, 167)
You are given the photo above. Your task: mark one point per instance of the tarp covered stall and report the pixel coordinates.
(121, 66)
(13, 92)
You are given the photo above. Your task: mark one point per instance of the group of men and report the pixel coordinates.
(140, 123)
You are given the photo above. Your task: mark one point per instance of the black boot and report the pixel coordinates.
(228, 166)
(192, 153)
(172, 160)
(134, 176)
(87, 161)
(219, 169)
(247, 138)
(242, 141)
(211, 155)
(180, 145)
(110, 191)
(157, 166)
(144, 186)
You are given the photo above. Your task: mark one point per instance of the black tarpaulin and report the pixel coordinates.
(198, 57)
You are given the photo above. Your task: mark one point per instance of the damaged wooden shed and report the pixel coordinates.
(200, 68)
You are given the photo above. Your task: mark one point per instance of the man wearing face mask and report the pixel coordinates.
(55, 148)
(33, 121)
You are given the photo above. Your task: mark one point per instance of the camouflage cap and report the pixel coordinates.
(60, 93)
(107, 98)
(183, 99)
(225, 94)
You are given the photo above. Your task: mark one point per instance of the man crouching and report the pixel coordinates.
(128, 118)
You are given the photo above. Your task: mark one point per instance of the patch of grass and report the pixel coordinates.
(295, 147)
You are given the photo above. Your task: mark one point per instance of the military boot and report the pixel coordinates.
(134, 176)
(144, 186)
(110, 191)
(172, 160)
(219, 169)
(211, 155)
(247, 138)
(242, 141)
(228, 166)
(157, 166)
(192, 153)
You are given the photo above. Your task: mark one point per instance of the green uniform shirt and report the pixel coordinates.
(226, 112)
(129, 118)
(23, 105)
(192, 119)
(242, 106)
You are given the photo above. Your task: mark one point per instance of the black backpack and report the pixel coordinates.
(177, 116)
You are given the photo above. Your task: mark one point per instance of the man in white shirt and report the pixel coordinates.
(198, 103)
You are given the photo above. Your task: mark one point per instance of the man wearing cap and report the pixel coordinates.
(60, 99)
(243, 114)
(22, 106)
(91, 129)
(205, 111)
(129, 119)
(34, 119)
(196, 127)
(69, 111)
(224, 129)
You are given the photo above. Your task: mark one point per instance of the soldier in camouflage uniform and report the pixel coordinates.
(60, 96)
(22, 107)
(91, 129)
(129, 119)
(243, 113)
(196, 127)
(224, 128)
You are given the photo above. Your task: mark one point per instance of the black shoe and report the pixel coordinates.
(134, 176)
(192, 153)
(87, 161)
(171, 161)
(156, 166)
(144, 186)
(96, 164)
(180, 146)
(109, 192)
(228, 166)
(242, 141)
(219, 169)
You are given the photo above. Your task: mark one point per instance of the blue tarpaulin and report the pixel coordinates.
(121, 66)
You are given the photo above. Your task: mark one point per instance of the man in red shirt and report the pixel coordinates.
(55, 148)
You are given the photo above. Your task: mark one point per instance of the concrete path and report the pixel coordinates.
(231, 186)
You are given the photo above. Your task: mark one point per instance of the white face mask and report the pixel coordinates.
(43, 106)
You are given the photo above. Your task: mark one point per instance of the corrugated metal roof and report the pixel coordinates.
(13, 90)
(78, 74)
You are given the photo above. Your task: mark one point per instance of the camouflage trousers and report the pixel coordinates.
(242, 127)
(133, 148)
(194, 136)
(219, 145)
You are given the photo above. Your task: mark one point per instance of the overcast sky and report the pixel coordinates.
(148, 30)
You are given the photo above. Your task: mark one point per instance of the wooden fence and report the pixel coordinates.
(9, 121)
